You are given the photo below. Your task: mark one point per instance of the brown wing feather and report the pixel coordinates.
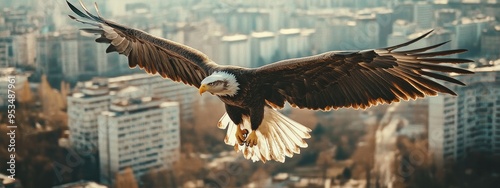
(155, 55)
(359, 79)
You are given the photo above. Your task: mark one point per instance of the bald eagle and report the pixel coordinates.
(326, 81)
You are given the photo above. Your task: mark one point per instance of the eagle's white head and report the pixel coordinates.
(220, 83)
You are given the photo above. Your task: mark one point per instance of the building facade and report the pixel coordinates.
(294, 42)
(6, 51)
(423, 15)
(154, 145)
(264, 48)
(83, 108)
(469, 122)
(468, 32)
(74, 54)
(490, 39)
(235, 50)
(24, 48)
(93, 97)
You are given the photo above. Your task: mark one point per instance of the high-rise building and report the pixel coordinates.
(93, 97)
(365, 32)
(247, 20)
(385, 18)
(337, 31)
(468, 32)
(294, 42)
(277, 17)
(239, 17)
(445, 16)
(403, 27)
(167, 89)
(423, 15)
(17, 48)
(235, 50)
(469, 122)
(6, 51)
(72, 54)
(263, 48)
(289, 41)
(17, 36)
(24, 48)
(122, 7)
(154, 145)
(48, 51)
(404, 11)
(83, 108)
(490, 38)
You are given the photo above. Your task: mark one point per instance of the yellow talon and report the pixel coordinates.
(251, 139)
(241, 135)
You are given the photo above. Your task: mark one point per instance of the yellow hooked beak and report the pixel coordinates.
(202, 89)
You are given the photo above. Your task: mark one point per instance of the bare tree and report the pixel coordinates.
(25, 94)
(126, 179)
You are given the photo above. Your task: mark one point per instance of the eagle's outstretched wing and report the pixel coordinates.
(155, 55)
(359, 79)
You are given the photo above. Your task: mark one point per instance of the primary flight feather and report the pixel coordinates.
(251, 95)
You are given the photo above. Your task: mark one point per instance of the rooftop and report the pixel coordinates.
(330, 13)
(103, 86)
(264, 34)
(237, 37)
(290, 31)
(136, 105)
(493, 65)
(306, 32)
(469, 20)
(91, 89)
(402, 22)
(483, 66)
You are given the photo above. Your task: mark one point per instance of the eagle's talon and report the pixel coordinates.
(241, 136)
(251, 139)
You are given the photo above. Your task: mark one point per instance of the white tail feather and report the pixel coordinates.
(278, 136)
